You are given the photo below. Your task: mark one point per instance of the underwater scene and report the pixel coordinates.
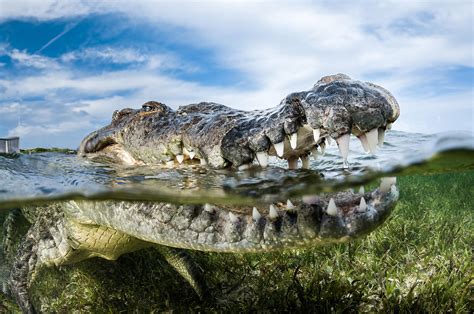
(385, 232)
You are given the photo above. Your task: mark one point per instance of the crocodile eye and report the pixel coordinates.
(147, 108)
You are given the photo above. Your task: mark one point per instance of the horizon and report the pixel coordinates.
(66, 66)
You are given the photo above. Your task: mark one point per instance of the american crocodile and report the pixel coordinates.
(217, 136)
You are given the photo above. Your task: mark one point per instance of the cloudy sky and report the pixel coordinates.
(65, 66)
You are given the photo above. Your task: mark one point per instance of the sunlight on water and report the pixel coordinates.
(52, 176)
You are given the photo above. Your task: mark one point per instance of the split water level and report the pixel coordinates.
(419, 259)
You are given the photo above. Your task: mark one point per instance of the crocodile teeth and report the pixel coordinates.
(362, 205)
(343, 143)
(389, 126)
(316, 134)
(170, 163)
(209, 208)
(363, 141)
(381, 137)
(305, 162)
(191, 155)
(289, 205)
(386, 184)
(262, 158)
(233, 218)
(293, 140)
(203, 162)
(292, 163)
(372, 140)
(180, 158)
(279, 147)
(256, 214)
(273, 212)
(361, 190)
(244, 167)
(329, 140)
(332, 208)
(314, 153)
(323, 148)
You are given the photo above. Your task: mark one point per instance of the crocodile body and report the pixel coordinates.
(217, 136)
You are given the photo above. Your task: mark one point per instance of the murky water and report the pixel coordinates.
(55, 176)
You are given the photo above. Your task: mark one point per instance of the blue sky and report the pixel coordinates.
(65, 66)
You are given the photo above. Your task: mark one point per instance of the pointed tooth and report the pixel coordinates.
(244, 167)
(280, 147)
(203, 162)
(289, 205)
(329, 140)
(185, 151)
(273, 212)
(362, 205)
(381, 137)
(262, 158)
(293, 140)
(233, 218)
(343, 143)
(292, 163)
(305, 162)
(323, 148)
(361, 190)
(256, 214)
(191, 155)
(180, 158)
(209, 208)
(332, 208)
(386, 183)
(372, 140)
(170, 163)
(314, 152)
(389, 126)
(364, 142)
(316, 134)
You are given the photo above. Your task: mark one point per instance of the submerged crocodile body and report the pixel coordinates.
(217, 136)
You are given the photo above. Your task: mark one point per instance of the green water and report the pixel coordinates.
(420, 260)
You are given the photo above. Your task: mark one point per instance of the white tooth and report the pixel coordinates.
(273, 212)
(170, 163)
(343, 143)
(314, 152)
(191, 155)
(372, 140)
(332, 208)
(363, 141)
(279, 147)
(262, 158)
(381, 137)
(289, 205)
(316, 134)
(389, 126)
(233, 218)
(323, 148)
(292, 163)
(209, 208)
(329, 140)
(244, 167)
(180, 158)
(386, 183)
(305, 162)
(203, 162)
(362, 205)
(293, 140)
(361, 190)
(185, 151)
(256, 214)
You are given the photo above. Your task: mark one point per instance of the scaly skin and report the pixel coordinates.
(68, 232)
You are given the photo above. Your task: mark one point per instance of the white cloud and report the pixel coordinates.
(280, 46)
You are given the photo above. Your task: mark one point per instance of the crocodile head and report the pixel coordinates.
(219, 136)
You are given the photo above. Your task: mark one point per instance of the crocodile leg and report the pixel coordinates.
(182, 262)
